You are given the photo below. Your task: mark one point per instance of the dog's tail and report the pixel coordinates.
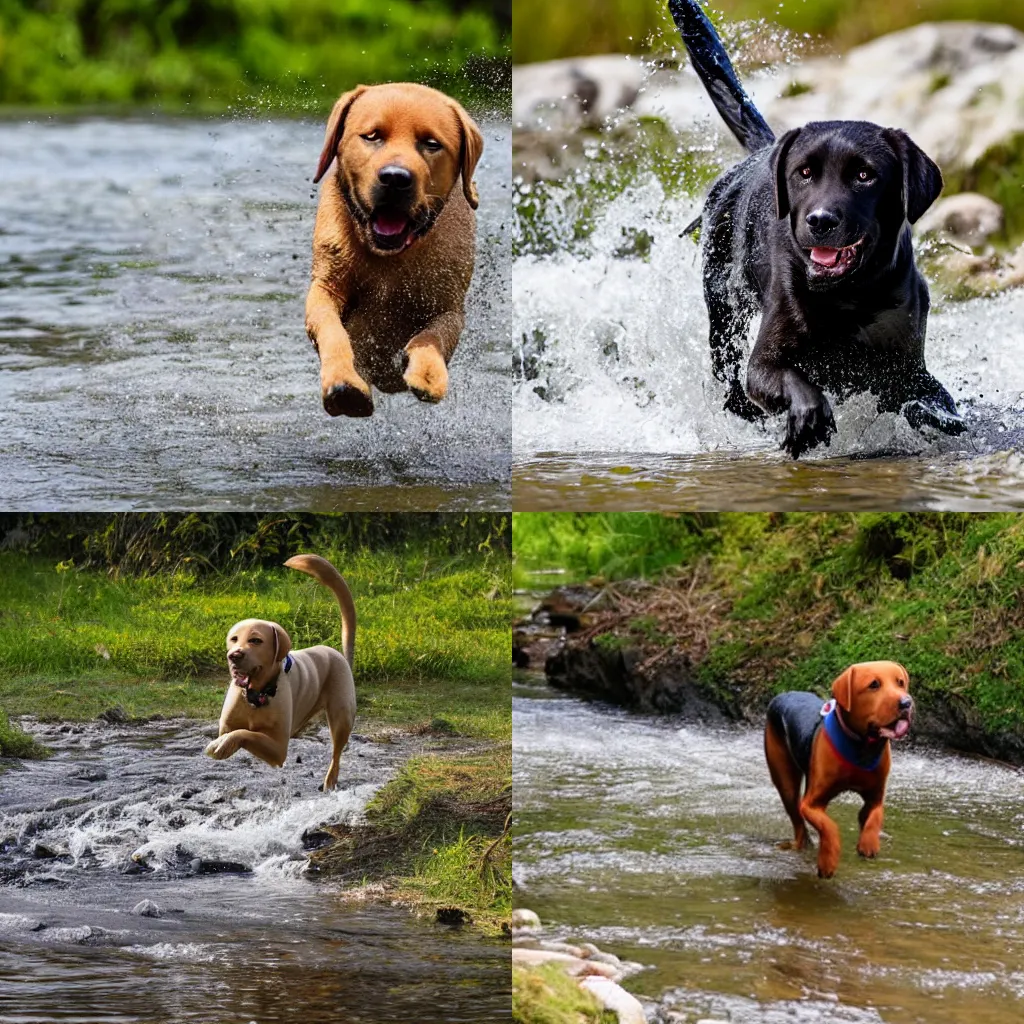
(323, 572)
(713, 67)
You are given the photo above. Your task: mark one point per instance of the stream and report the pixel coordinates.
(124, 814)
(615, 406)
(153, 352)
(657, 841)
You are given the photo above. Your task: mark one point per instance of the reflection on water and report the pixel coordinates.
(152, 342)
(123, 815)
(658, 842)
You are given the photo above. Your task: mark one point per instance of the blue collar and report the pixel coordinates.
(287, 663)
(856, 752)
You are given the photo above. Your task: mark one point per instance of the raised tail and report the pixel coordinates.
(323, 572)
(715, 70)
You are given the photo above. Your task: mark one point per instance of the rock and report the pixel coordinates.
(314, 838)
(115, 716)
(567, 93)
(522, 918)
(968, 218)
(44, 851)
(563, 947)
(961, 275)
(618, 1000)
(454, 917)
(147, 908)
(572, 964)
(201, 866)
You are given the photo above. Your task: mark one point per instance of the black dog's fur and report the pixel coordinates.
(849, 191)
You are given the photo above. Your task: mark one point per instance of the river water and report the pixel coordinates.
(263, 942)
(152, 344)
(657, 841)
(615, 406)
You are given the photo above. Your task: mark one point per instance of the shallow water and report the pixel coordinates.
(270, 944)
(612, 370)
(152, 287)
(658, 842)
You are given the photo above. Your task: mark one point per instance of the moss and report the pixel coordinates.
(547, 995)
(15, 743)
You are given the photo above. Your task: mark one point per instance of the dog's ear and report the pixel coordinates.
(284, 642)
(779, 154)
(922, 179)
(842, 689)
(469, 155)
(335, 129)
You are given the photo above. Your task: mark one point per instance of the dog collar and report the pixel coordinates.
(848, 747)
(261, 698)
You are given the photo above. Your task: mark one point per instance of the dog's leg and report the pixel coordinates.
(813, 808)
(776, 386)
(870, 818)
(788, 780)
(266, 748)
(924, 402)
(341, 713)
(425, 358)
(343, 391)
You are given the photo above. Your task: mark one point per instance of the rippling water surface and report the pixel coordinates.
(152, 342)
(658, 842)
(124, 814)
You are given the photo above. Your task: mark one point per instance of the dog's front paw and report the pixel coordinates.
(219, 748)
(937, 411)
(347, 398)
(740, 405)
(808, 424)
(426, 375)
(869, 846)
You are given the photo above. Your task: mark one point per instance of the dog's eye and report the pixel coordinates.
(432, 145)
(865, 175)
(874, 685)
(255, 640)
(373, 136)
(806, 172)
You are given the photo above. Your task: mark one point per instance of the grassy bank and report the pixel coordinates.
(760, 603)
(243, 55)
(543, 31)
(432, 636)
(436, 837)
(547, 995)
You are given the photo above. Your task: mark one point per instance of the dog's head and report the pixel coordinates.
(255, 649)
(848, 188)
(400, 148)
(874, 699)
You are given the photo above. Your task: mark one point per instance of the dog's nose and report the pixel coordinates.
(394, 176)
(235, 655)
(906, 703)
(821, 221)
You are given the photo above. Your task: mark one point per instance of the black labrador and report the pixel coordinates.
(813, 230)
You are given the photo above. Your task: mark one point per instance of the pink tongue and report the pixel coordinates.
(826, 257)
(902, 728)
(389, 223)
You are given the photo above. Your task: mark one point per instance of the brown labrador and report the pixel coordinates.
(276, 691)
(393, 245)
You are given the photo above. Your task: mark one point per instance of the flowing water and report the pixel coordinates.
(657, 841)
(120, 815)
(614, 404)
(152, 343)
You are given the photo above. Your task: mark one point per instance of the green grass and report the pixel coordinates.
(609, 544)
(547, 995)
(242, 55)
(787, 601)
(438, 834)
(544, 31)
(432, 637)
(15, 743)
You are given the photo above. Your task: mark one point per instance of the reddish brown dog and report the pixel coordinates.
(839, 747)
(393, 245)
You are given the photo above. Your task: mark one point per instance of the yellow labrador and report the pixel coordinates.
(276, 691)
(393, 244)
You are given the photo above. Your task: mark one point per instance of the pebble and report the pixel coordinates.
(522, 918)
(618, 1000)
(147, 908)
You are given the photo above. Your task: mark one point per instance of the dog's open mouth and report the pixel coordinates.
(240, 678)
(392, 229)
(828, 262)
(894, 730)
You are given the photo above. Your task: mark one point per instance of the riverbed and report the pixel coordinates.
(124, 814)
(153, 352)
(657, 840)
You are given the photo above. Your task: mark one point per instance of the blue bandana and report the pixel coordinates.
(855, 752)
